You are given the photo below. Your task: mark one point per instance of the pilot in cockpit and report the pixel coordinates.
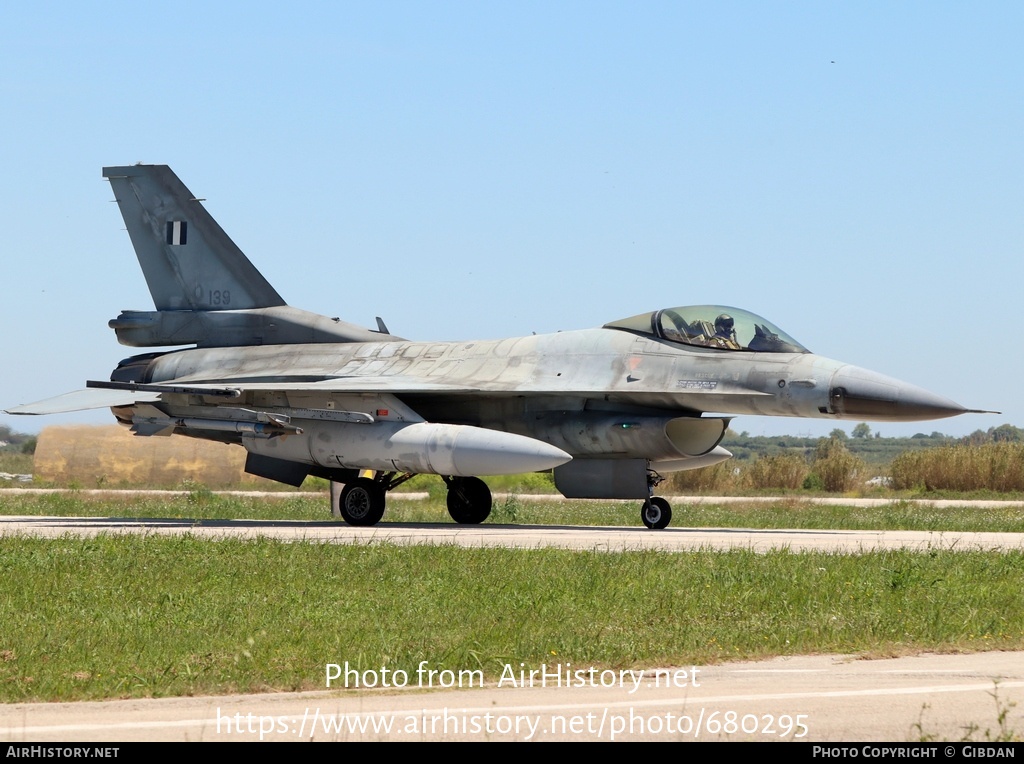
(725, 334)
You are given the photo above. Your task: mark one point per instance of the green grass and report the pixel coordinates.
(899, 515)
(152, 616)
(199, 504)
(148, 616)
(15, 463)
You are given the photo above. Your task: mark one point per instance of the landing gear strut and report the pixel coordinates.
(469, 500)
(656, 512)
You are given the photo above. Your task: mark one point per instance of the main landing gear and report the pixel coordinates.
(362, 500)
(469, 500)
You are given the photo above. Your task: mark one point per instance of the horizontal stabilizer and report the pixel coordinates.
(83, 400)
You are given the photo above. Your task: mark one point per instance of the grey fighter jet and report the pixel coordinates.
(610, 410)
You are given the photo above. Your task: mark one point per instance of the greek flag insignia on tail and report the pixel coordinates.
(177, 232)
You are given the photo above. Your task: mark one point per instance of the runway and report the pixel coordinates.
(610, 539)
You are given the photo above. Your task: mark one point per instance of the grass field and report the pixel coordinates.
(147, 616)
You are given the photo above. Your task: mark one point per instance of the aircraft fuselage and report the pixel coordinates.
(555, 387)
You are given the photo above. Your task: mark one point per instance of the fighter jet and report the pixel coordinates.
(610, 410)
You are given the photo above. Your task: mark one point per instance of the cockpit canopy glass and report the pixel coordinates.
(712, 326)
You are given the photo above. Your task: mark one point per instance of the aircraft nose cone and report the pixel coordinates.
(862, 394)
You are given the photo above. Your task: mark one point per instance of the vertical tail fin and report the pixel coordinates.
(187, 259)
(206, 291)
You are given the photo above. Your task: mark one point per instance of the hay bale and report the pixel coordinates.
(110, 456)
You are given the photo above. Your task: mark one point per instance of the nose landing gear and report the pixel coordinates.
(656, 512)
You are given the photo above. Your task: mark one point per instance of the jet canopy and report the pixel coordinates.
(712, 326)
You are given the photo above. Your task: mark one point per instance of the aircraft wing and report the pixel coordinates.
(102, 394)
(111, 394)
(337, 385)
(83, 400)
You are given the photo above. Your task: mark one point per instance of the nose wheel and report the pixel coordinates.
(656, 513)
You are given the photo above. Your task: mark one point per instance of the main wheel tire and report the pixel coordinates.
(469, 500)
(362, 502)
(656, 513)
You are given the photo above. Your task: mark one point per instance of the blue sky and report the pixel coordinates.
(852, 172)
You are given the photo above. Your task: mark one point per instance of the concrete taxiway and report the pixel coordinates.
(676, 539)
(824, 698)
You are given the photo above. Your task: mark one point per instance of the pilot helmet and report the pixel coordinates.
(724, 324)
